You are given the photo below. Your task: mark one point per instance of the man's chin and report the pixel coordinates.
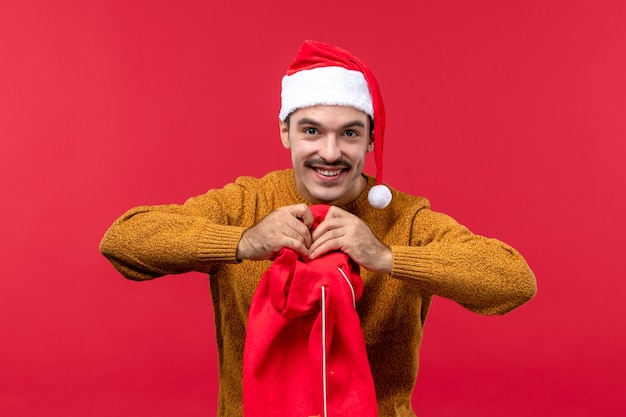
(327, 198)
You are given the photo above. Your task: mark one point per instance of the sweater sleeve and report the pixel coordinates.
(151, 241)
(483, 275)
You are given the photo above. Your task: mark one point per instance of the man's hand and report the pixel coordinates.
(286, 227)
(343, 231)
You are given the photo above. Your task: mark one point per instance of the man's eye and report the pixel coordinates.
(310, 131)
(350, 133)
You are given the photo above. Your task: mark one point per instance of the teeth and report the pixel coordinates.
(328, 173)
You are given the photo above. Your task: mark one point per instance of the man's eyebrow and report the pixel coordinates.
(306, 121)
(354, 123)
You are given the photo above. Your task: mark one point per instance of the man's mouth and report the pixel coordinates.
(328, 173)
(327, 170)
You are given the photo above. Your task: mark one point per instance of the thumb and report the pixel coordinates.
(303, 213)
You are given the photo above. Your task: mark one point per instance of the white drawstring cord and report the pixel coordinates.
(324, 383)
(349, 285)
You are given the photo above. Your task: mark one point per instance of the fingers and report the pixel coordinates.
(338, 231)
(298, 247)
(335, 219)
(286, 227)
(301, 212)
(300, 220)
(296, 237)
(323, 245)
(343, 231)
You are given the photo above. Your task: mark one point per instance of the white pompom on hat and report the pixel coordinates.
(323, 74)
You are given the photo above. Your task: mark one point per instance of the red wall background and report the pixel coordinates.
(510, 116)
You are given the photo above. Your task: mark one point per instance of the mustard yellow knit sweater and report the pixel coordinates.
(432, 255)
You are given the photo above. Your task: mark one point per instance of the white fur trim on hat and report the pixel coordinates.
(325, 86)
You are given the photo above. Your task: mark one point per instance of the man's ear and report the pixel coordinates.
(370, 146)
(284, 133)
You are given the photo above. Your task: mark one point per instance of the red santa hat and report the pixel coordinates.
(323, 74)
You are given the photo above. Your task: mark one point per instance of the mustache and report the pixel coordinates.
(339, 163)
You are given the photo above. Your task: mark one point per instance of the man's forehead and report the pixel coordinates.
(329, 111)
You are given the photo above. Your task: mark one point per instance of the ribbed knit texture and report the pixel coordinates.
(432, 255)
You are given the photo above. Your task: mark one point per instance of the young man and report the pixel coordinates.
(332, 116)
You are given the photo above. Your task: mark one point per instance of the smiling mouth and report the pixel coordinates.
(328, 170)
(329, 173)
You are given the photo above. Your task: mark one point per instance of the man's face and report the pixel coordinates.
(328, 146)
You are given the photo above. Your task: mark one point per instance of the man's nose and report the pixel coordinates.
(330, 151)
